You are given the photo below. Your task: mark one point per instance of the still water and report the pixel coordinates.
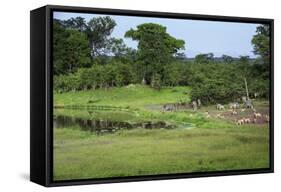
(102, 126)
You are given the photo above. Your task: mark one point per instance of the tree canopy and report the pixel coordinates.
(155, 48)
(261, 42)
(71, 50)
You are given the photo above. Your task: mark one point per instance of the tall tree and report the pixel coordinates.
(77, 23)
(155, 48)
(77, 51)
(98, 31)
(117, 47)
(261, 67)
(59, 40)
(261, 42)
(71, 50)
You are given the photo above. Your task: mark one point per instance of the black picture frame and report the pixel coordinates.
(41, 98)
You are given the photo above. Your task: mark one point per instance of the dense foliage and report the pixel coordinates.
(156, 49)
(86, 56)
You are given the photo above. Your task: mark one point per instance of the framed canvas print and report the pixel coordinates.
(122, 95)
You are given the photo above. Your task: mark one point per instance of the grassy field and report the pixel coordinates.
(210, 144)
(134, 96)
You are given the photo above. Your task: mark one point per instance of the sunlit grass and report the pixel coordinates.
(134, 96)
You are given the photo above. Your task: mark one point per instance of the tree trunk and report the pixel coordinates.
(246, 86)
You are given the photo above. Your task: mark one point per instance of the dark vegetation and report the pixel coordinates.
(87, 57)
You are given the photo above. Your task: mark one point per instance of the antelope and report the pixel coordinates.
(220, 116)
(267, 119)
(257, 115)
(240, 122)
(247, 120)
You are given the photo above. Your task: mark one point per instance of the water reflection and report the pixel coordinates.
(100, 126)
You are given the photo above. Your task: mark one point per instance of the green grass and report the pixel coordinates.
(80, 155)
(136, 96)
(210, 144)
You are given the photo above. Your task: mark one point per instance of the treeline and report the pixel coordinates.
(86, 57)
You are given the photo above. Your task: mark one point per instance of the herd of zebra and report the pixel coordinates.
(195, 104)
(232, 108)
